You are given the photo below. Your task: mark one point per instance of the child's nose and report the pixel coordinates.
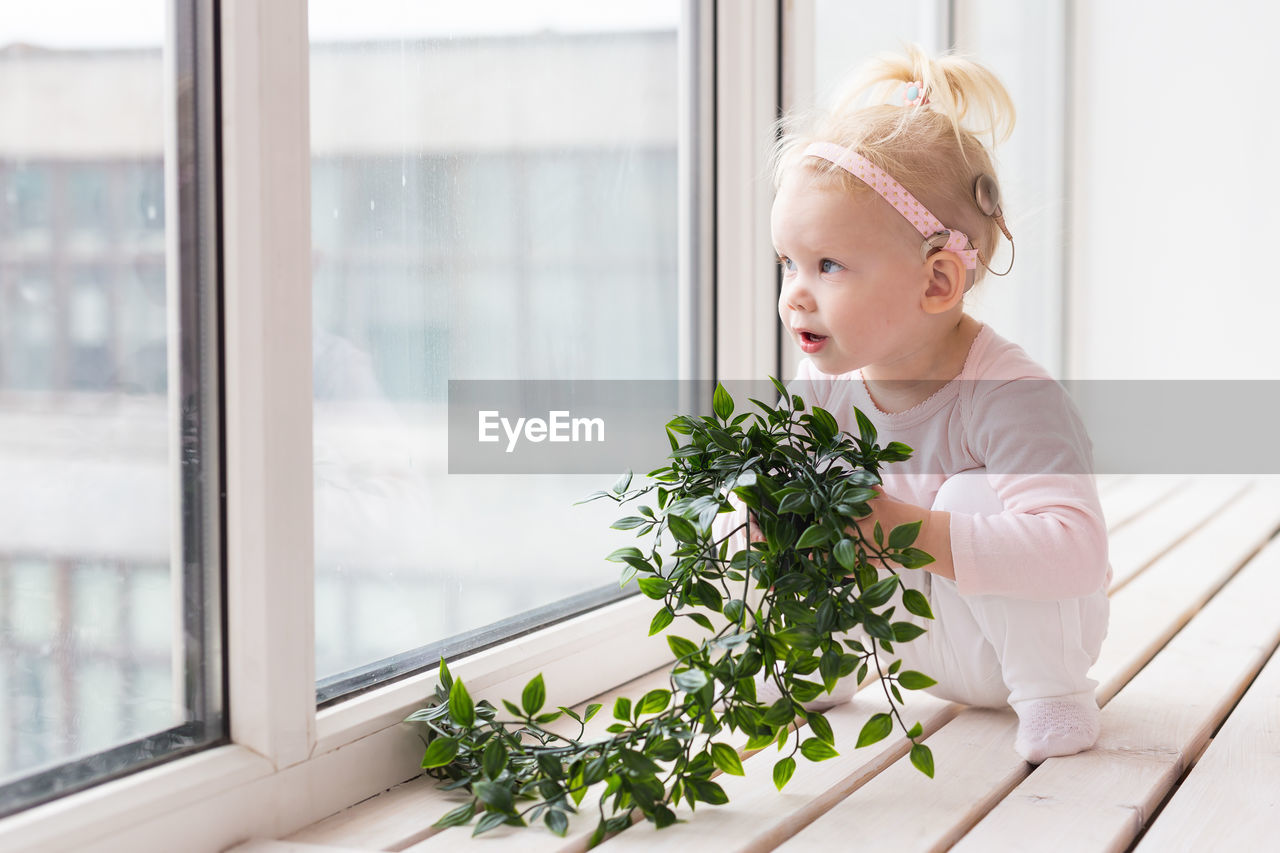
(795, 293)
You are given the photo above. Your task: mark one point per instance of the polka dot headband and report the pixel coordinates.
(935, 234)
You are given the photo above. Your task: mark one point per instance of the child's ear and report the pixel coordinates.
(946, 282)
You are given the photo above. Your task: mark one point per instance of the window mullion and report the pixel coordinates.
(267, 249)
(747, 94)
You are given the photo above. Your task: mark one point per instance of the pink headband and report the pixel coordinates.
(935, 234)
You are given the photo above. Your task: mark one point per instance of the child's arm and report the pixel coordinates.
(934, 537)
(1050, 542)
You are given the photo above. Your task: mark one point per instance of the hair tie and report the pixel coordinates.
(914, 95)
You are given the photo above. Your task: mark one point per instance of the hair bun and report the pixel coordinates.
(967, 93)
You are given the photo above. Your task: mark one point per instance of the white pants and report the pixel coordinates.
(992, 651)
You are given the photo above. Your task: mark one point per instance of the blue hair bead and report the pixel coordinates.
(912, 93)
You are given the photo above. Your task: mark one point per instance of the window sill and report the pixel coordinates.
(229, 794)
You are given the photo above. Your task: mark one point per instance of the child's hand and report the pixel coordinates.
(934, 537)
(753, 530)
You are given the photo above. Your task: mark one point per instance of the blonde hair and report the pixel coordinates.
(933, 150)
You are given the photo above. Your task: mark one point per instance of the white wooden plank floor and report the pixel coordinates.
(1193, 623)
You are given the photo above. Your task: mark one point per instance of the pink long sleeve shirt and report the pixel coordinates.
(1005, 413)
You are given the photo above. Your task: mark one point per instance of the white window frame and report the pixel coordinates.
(288, 765)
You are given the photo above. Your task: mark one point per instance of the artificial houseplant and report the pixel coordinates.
(780, 610)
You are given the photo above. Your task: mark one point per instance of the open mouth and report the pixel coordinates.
(810, 337)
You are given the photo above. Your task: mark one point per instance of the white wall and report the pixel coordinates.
(1175, 189)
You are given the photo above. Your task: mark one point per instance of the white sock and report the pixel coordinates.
(767, 693)
(1058, 726)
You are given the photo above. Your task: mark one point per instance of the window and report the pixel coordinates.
(292, 399)
(110, 625)
(508, 199)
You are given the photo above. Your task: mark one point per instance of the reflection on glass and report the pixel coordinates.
(493, 197)
(89, 623)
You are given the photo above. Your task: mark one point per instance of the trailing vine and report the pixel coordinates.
(821, 584)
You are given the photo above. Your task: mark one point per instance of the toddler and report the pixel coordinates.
(884, 216)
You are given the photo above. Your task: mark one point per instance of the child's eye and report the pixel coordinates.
(786, 263)
(830, 266)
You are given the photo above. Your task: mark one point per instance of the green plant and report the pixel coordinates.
(816, 576)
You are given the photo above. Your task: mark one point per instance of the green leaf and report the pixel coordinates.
(655, 701)
(446, 678)
(708, 595)
(915, 602)
(681, 647)
(880, 591)
(733, 609)
(922, 758)
(494, 795)
(512, 709)
(551, 768)
(780, 713)
(534, 695)
(815, 749)
(912, 680)
(663, 817)
(461, 708)
(629, 522)
(846, 554)
(550, 717)
(457, 817)
(866, 430)
(557, 822)
(878, 535)
(820, 727)
(876, 729)
(708, 791)
(915, 731)
(619, 555)
(681, 425)
(691, 680)
(905, 631)
(623, 481)
(913, 558)
(823, 419)
(796, 501)
(800, 636)
(639, 764)
(700, 620)
(681, 528)
(667, 749)
(591, 711)
(783, 771)
(495, 758)
(815, 535)
(622, 709)
(726, 758)
(596, 769)
(903, 535)
(655, 588)
(440, 752)
(722, 403)
(895, 451)
(488, 821)
(661, 619)
(805, 691)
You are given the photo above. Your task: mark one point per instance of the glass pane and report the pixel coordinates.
(102, 667)
(505, 208)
